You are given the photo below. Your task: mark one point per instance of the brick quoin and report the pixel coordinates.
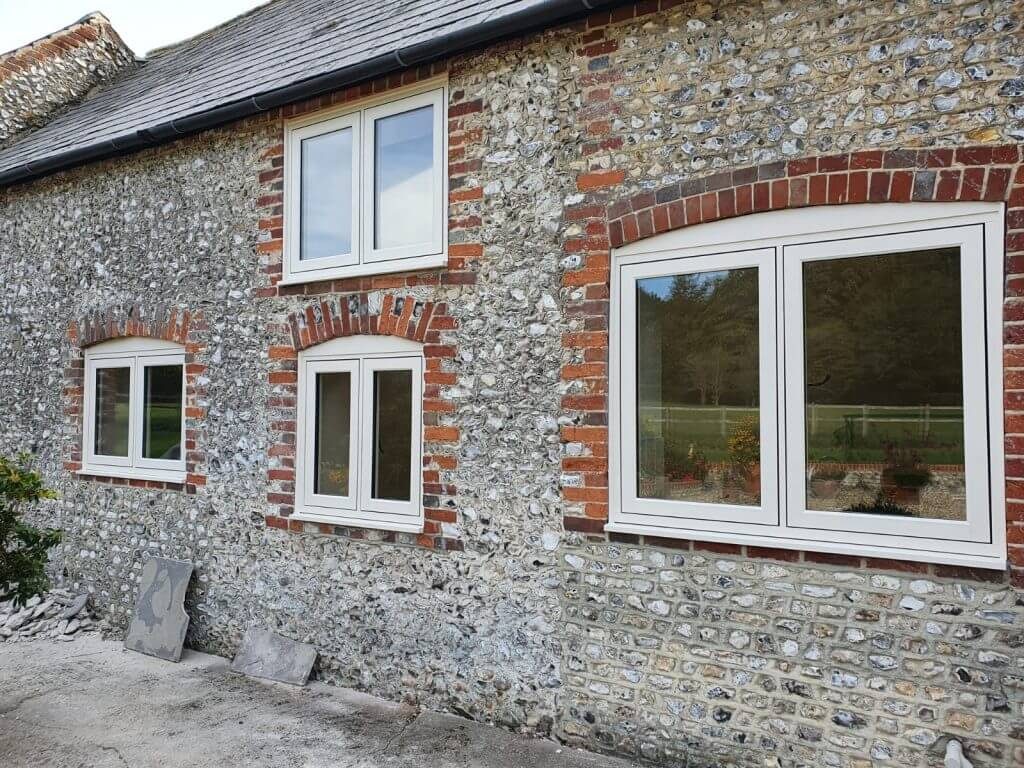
(342, 308)
(177, 324)
(986, 173)
(402, 316)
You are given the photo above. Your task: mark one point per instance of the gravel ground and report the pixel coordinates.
(91, 704)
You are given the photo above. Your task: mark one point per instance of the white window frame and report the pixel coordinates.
(662, 511)
(435, 243)
(135, 354)
(361, 117)
(293, 159)
(361, 356)
(794, 236)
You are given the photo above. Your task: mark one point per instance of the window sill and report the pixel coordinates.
(306, 516)
(128, 473)
(432, 261)
(815, 545)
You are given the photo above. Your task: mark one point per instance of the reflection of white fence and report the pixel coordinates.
(821, 419)
(717, 417)
(860, 417)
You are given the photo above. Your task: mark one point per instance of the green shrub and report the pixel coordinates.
(23, 548)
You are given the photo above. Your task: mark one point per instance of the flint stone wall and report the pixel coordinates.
(39, 79)
(686, 657)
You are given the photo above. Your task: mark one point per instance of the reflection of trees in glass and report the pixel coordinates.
(703, 329)
(883, 341)
(884, 330)
(697, 371)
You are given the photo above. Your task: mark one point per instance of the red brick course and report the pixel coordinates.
(176, 324)
(40, 52)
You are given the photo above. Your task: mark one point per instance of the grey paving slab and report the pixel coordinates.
(78, 704)
(267, 655)
(160, 622)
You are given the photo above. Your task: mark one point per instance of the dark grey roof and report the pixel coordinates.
(280, 44)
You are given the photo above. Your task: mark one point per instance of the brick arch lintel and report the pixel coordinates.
(977, 173)
(362, 313)
(170, 323)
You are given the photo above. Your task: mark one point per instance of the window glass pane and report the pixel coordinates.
(392, 434)
(161, 412)
(884, 385)
(698, 387)
(326, 195)
(333, 422)
(112, 408)
(403, 176)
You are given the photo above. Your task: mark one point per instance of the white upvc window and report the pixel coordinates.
(134, 419)
(366, 187)
(823, 379)
(359, 434)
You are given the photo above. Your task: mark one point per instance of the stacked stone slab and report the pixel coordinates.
(58, 615)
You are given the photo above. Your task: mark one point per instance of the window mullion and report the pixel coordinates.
(362, 214)
(358, 440)
(135, 410)
(781, 380)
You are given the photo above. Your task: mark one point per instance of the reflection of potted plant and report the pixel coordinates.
(691, 470)
(825, 480)
(904, 474)
(336, 475)
(648, 488)
(745, 453)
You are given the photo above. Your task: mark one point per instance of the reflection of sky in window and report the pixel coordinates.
(404, 157)
(661, 287)
(326, 195)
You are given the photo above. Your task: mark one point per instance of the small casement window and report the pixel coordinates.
(834, 384)
(365, 188)
(134, 420)
(359, 433)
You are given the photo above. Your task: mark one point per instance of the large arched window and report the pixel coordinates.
(134, 421)
(822, 378)
(359, 433)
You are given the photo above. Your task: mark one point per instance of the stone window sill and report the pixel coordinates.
(128, 473)
(308, 516)
(432, 261)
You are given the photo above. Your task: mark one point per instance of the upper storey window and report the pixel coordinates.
(365, 188)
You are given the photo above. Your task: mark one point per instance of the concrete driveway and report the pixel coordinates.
(90, 704)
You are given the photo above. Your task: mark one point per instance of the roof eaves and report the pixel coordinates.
(495, 27)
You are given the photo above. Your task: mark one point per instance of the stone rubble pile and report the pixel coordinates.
(59, 615)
